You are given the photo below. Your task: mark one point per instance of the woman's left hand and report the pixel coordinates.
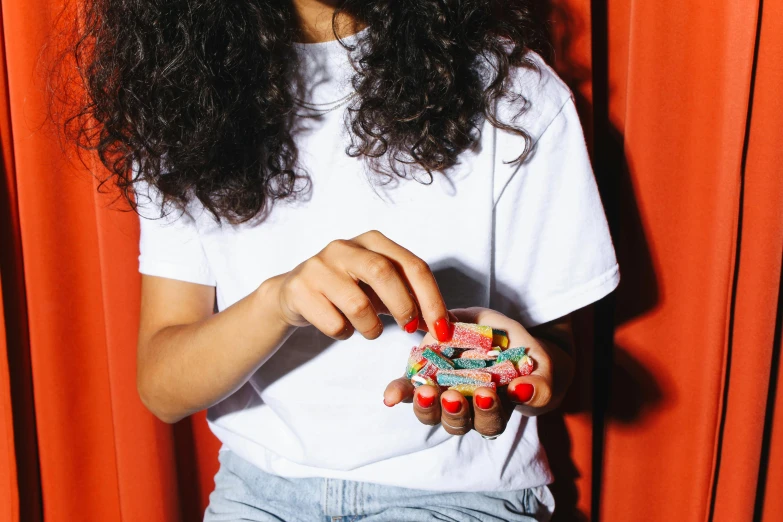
(488, 411)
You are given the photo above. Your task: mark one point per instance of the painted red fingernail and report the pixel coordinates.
(425, 402)
(484, 402)
(413, 325)
(523, 392)
(452, 406)
(443, 329)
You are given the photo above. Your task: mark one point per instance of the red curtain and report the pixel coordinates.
(678, 411)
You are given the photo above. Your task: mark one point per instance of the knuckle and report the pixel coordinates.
(335, 329)
(335, 246)
(359, 306)
(379, 268)
(374, 332)
(419, 268)
(409, 312)
(374, 234)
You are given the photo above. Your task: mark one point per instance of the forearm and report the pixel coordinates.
(186, 368)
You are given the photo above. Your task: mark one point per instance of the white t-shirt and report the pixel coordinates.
(530, 241)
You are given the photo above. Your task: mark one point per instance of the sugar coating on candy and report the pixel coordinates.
(468, 390)
(499, 338)
(415, 361)
(450, 378)
(525, 365)
(437, 359)
(476, 375)
(479, 357)
(429, 371)
(474, 336)
(502, 373)
(478, 354)
(447, 351)
(512, 354)
(466, 364)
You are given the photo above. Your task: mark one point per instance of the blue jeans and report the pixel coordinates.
(244, 492)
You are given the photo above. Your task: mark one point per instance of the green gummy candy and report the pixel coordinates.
(469, 364)
(437, 360)
(448, 351)
(449, 379)
(512, 354)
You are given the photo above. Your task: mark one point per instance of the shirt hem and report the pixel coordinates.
(583, 295)
(175, 271)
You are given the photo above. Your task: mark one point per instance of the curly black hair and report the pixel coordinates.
(193, 93)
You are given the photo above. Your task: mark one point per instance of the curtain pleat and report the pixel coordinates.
(679, 418)
(756, 296)
(685, 95)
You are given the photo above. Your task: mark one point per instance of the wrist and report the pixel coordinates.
(267, 302)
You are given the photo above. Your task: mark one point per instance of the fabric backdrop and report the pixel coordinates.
(677, 413)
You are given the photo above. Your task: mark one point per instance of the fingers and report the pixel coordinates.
(488, 415)
(399, 390)
(382, 276)
(456, 416)
(321, 313)
(426, 405)
(533, 392)
(419, 279)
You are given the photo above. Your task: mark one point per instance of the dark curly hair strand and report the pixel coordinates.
(195, 92)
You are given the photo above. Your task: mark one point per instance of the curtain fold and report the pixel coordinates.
(679, 417)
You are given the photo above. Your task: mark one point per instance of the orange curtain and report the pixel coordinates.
(677, 413)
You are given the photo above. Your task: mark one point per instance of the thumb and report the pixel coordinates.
(532, 391)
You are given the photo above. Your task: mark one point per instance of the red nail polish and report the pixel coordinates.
(484, 402)
(523, 392)
(452, 406)
(412, 325)
(425, 402)
(443, 329)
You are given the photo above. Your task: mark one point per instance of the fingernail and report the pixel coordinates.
(425, 402)
(523, 392)
(443, 329)
(412, 325)
(484, 402)
(452, 406)
(386, 403)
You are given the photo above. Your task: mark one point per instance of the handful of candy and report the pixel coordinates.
(476, 356)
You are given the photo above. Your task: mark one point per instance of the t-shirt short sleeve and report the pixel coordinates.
(553, 250)
(169, 244)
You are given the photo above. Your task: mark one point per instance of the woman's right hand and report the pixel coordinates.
(347, 284)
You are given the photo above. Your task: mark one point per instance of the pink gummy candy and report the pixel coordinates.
(476, 375)
(502, 373)
(525, 365)
(477, 354)
(429, 371)
(415, 361)
(474, 336)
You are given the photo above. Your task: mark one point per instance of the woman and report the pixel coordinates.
(320, 183)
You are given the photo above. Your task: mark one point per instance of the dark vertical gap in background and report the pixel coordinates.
(188, 488)
(774, 375)
(15, 319)
(735, 277)
(607, 178)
